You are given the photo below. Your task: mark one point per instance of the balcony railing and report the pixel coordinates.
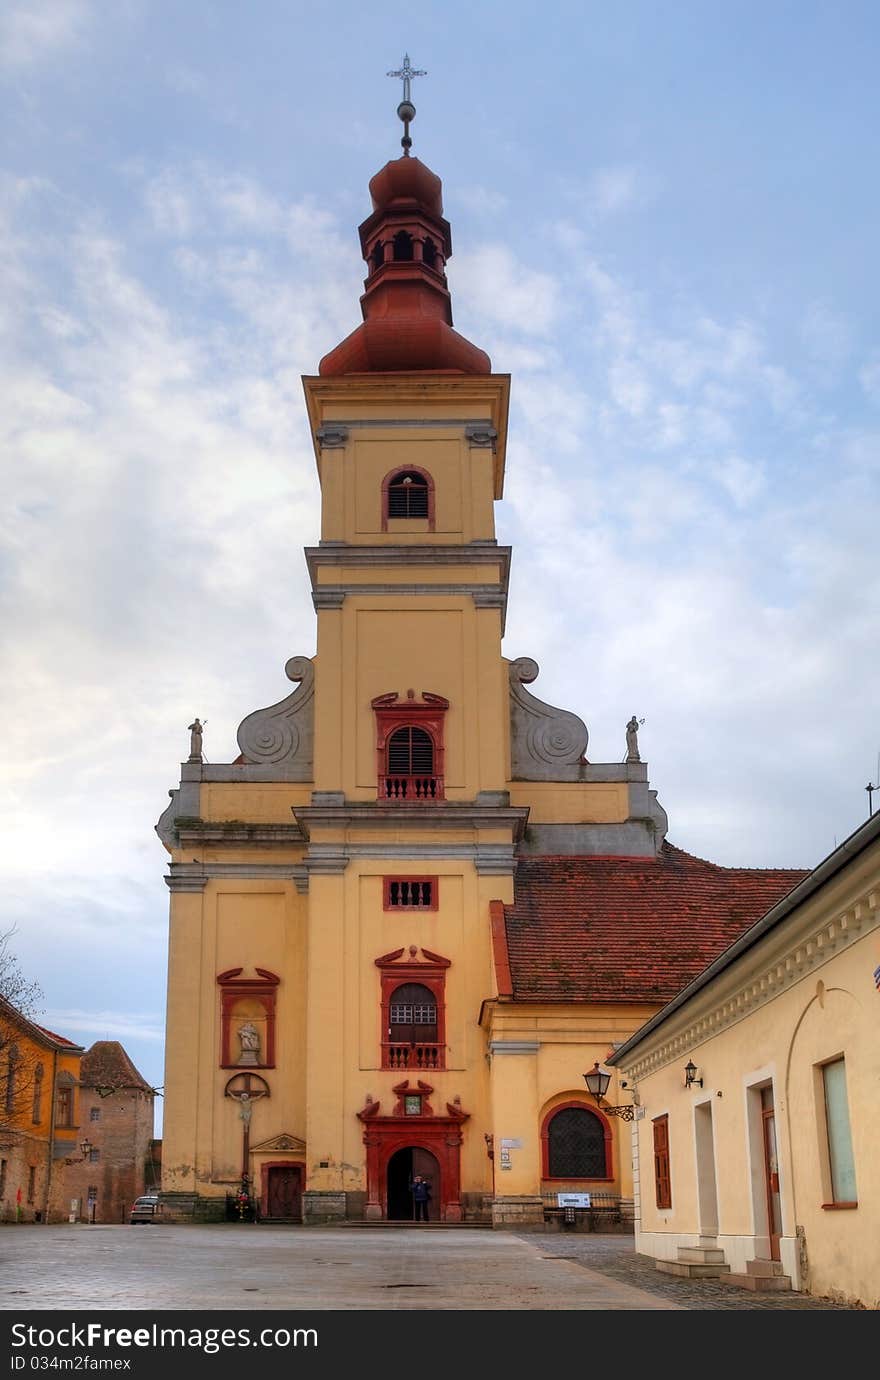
(411, 788)
(418, 1056)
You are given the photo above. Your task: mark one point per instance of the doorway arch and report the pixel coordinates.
(403, 1165)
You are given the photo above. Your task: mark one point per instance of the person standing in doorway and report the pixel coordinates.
(421, 1192)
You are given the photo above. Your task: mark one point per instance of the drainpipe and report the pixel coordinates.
(52, 1099)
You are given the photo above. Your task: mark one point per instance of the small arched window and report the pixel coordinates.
(410, 753)
(377, 258)
(408, 495)
(403, 245)
(429, 253)
(577, 1145)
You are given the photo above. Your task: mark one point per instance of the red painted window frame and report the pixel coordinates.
(386, 485)
(386, 893)
(430, 971)
(233, 987)
(429, 714)
(584, 1106)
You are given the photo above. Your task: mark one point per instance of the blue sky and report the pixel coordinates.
(665, 222)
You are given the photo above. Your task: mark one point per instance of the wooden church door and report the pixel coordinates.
(285, 1192)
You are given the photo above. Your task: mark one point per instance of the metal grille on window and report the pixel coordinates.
(577, 1145)
(408, 496)
(402, 1014)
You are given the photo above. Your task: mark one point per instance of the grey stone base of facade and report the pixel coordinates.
(191, 1207)
(322, 1208)
(523, 1213)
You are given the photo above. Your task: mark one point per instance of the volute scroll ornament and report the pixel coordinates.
(283, 734)
(546, 743)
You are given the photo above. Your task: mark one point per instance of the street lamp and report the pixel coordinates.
(597, 1081)
(85, 1148)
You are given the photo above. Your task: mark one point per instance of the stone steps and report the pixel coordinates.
(691, 1270)
(695, 1262)
(762, 1277)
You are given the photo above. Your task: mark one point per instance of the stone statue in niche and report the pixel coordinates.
(249, 1039)
(632, 740)
(195, 741)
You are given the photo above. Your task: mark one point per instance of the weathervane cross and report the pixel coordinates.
(406, 74)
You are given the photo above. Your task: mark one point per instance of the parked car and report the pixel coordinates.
(144, 1209)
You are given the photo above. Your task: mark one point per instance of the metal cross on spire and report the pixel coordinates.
(406, 110)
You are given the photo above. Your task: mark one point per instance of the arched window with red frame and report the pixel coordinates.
(408, 494)
(413, 1011)
(409, 747)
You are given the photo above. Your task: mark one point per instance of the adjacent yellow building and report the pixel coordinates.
(757, 1090)
(39, 1118)
(411, 912)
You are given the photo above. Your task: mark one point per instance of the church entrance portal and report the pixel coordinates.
(403, 1166)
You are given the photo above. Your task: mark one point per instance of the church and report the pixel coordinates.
(411, 912)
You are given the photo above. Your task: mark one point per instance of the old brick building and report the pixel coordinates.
(116, 1119)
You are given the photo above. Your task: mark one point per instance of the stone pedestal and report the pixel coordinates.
(320, 1207)
(520, 1213)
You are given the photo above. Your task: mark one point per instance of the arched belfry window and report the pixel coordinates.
(410, 752)
(429, 254)
(576, 1143)
(408, 494)
(377, 258)
(403, 245)
(409, 746)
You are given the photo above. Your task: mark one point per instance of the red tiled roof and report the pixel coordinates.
(629, 929)
(106, 1064)
(59, 1039)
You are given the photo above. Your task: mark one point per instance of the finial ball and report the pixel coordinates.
(406, 111)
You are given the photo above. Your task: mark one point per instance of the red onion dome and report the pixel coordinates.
(406, 179)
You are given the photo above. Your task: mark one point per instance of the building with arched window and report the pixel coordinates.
(409, 911)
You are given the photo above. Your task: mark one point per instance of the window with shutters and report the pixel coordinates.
(576, 1143)
(409, 893)
(408, 495)
(662, 1179)
(409, 747)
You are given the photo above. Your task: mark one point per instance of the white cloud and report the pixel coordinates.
(106, 1025)
(33, 31)
(743, 479)
(501, 289)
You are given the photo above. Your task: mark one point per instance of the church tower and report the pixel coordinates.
(357, 994)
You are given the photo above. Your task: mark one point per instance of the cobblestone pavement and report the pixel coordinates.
(615, 1257)
(269, 1267)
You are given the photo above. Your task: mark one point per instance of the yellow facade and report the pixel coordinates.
(761, 1034)
(39, 1118)
(291, 953)
(288, 876)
